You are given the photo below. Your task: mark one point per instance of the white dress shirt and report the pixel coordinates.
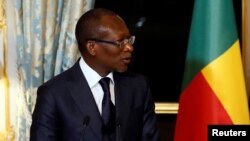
(93, 78)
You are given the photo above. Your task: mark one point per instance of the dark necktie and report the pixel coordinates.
(108, 108)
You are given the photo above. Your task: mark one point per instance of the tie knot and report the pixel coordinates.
(105, 83)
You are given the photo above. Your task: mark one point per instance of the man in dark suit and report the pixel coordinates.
(96, 100)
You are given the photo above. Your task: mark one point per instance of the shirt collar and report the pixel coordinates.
(91, 75)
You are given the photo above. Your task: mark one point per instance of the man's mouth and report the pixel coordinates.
(126, 60)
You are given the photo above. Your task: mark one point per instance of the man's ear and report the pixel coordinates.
(91, 48)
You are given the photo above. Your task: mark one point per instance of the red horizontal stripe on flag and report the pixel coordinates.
(198, 108)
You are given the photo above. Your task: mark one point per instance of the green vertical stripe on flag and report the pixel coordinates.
(213, 31)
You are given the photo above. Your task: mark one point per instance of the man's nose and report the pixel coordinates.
(128, 47)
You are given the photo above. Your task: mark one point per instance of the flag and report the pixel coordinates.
(213, 90)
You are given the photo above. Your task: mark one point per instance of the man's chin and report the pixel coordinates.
(122, 69)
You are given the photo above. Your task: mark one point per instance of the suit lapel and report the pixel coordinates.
(84, 100)
(123, 102)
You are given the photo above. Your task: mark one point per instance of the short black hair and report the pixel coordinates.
(87, 25)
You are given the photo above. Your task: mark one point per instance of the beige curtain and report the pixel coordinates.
(246, 41)
(46, 46)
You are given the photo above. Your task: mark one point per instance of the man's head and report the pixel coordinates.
(104, 41)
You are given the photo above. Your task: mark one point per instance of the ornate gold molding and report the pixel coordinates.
(8, 135)
(166, 108)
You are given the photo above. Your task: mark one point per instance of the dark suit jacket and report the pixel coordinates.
(66, 110)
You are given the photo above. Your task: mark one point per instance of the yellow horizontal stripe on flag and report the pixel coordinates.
(225, 76)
